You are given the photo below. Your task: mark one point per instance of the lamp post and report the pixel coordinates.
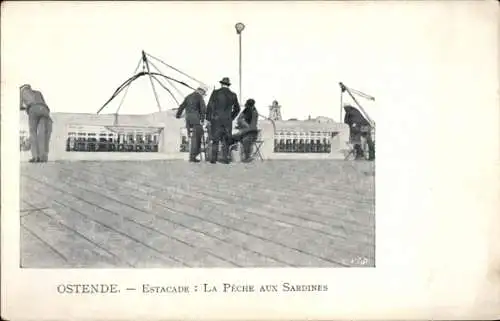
(239, 29)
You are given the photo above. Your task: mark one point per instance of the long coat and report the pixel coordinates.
(354, 117)
(195, 109)
(223, 107)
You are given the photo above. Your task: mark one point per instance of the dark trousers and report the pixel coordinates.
(40, 125)
(220, 133)
(360, 153)
(371, 147)
(248, 142)
(196, 134)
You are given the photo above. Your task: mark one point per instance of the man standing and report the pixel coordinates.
(247, 123)
(222, 109)
(195, 114)
(359, 127)
(40, 123)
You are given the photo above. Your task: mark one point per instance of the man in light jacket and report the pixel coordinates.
(195, 107)
(40, 123)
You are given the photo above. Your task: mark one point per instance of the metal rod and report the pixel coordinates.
(182, 73)
(145, 59)
(133, 78)
(272, 121)
(126, 91)
(359, 105)
(362, 94)
(240, 69)
(171, 83)
(341, 103)
(168, 90)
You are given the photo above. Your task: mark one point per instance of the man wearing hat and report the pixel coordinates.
(247, 123)
(195, 107)
(40, 123)
(222, 109)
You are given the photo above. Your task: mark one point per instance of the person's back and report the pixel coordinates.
(359, 127)
(30, 97)
(249, 116)
(223, 106)
(222, 109)
(247, 123)
(38, 116)
(195, 108)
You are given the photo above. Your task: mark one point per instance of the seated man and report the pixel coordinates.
(247, 124)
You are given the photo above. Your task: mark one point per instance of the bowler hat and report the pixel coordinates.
(225, 81)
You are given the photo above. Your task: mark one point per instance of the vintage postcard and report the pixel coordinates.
(250, 160)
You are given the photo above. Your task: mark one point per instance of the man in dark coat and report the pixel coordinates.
(359, 127)
(195, 107)
(222, 109)
(40, 123)
(247, 123)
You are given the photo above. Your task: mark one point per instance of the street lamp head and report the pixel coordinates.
(239, 27)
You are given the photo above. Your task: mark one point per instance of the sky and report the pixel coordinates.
(78, 53)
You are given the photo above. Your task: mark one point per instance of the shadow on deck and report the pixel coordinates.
(177, 214)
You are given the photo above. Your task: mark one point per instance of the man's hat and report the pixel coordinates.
(225, 81)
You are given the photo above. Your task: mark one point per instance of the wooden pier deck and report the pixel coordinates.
(314, 213)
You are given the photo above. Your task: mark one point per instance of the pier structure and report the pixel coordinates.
(159, 135)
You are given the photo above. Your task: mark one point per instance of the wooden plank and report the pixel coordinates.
(280, 206)
(296, 233)
(200, 240)
(37, 253)
(212, 222)
(81, 253)
(365, 246)
(281, 200)
(25, 209)
(356, 246)
(33, 206)
(244, 206)
(291, 212)
(137, 250)
(163, 242)
(114, 243)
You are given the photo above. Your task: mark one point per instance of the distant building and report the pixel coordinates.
(275, 111)
(320, 119)
(323, 119)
